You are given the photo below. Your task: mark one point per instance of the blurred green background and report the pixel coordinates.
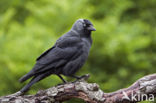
(124, 45)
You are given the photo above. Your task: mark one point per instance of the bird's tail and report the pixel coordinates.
(34, 80)
(25, 77)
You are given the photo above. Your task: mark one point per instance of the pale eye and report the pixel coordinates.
(84, 24)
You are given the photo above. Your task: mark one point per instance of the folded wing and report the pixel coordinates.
(62, 52)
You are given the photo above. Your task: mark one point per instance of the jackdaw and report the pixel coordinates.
(66, 57)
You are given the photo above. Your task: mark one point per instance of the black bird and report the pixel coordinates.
(66, 57)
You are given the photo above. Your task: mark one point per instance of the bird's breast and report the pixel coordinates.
(85, 48)
(86, 44)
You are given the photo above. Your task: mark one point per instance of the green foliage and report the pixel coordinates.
(124, 45)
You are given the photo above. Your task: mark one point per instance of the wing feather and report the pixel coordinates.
(63, 51)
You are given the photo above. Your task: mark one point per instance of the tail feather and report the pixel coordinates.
(34, 80)
(31, 73)
(26, 88)
(25, 77)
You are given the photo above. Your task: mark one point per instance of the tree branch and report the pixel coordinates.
(143, 89)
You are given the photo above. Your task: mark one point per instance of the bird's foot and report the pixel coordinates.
(79, 78)
(86, 76)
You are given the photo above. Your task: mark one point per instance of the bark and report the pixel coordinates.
(142, 89)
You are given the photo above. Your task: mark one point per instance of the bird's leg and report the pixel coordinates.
(64, 81)
(85, 77)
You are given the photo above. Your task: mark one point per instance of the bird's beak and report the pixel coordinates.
(91, 28)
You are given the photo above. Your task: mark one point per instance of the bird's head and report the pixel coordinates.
(83, 25)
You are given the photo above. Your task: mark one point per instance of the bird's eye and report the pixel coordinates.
(84, 25)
